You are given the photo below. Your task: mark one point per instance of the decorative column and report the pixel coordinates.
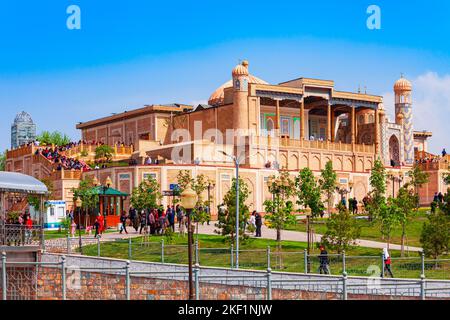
(353, 125)
(377, 132)
(333, 126)
(302, 119)
(329, 121)
(277, 116)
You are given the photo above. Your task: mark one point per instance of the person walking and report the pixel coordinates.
(152, 221)
(179, 216)
(171, 217)
(252, 220)
(143, 219)
(324, 263)
(258, 223)
(97, 227)
(387, 262)
(123, 219)
(354, 206)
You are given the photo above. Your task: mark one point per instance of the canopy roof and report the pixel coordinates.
(109, 192)
(20, 183)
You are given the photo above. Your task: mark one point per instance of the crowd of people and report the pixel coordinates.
(433, 159)
(57, 155)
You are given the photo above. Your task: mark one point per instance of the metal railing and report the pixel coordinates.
(260, 259)
(67, 279)
(20, 235)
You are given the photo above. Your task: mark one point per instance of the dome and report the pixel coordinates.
(402, 84)
(23, 117)
(241, 69)
(217, 97)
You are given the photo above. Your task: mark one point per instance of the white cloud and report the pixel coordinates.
(431, 108)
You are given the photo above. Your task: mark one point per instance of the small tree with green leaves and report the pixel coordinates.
(3, 161)
(405, 202)
(279, 209)
(389, 216)
(104, 153)
(198, 184)
(146, 195)
(309, 192)
(418, 178)
(378, 183)
(57, 138)
(342, 230)
(88, 195)
(435, 238)
(328, 182)
(226, 224)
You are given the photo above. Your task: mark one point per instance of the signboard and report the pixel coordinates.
(174, 186)
(167, 193)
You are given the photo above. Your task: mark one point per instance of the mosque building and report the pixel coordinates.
(299, 123)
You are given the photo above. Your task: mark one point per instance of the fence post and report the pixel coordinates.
(305, 258)
(422, 287)
(196, 279)
(162, 250)
(127, 280)
(232, 253)
(98, 247)
(423, 263)
(63, 276)
(130, 254)
(382, 266)
(68, 244)
(343, 262)
(268, 256)
(269, 283)
(4, 287)
(196, 253)
(344, 286)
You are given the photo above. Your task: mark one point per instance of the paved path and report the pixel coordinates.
(303, 237)
(267, 234)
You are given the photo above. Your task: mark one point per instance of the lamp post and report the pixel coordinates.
(188, 202)
(344, 191)
(211, 185)
(78, 204)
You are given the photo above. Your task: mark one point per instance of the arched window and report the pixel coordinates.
(394, 151)
(269, 126)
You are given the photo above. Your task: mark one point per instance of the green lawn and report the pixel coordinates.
(213, 251)
(55, 234)
(371, 230)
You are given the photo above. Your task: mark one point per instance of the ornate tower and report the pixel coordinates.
(240, 97)
(403, 116)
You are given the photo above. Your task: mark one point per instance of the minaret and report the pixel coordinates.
(240, 97)
(403, 116)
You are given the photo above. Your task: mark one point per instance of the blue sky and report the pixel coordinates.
(137, 52)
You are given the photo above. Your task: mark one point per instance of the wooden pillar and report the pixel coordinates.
(302, 119)
(377, 132)
(277, 117)
(333, 126)
(329, 121)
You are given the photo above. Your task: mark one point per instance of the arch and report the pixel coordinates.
(260, 159)
(348, 165)
(303, 161)
(360, 165)
(284, 161)
(270, 126)
(360, 190)
(338, 164)
(293, 162)
(315, 163)
(394, 150)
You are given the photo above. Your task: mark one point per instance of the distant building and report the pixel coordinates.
(23, 130)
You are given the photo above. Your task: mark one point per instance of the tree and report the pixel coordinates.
(446, 178)
(104, 153)
(227, 213)
(146, 195)
(88, 195)
(435, 238)
(328, 182)
(199, 184)
(281, 210)
(378, 183)
(418, 178)
(342, 230)
(3, 161)
(56, 138)
(405, 201)
(35, 201)
(389, 216)
(308, 192)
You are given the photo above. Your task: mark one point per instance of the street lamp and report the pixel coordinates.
(78, 204)
(211, 185)
(344, 191)
(188, 202)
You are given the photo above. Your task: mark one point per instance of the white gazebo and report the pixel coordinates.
(13, 184)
